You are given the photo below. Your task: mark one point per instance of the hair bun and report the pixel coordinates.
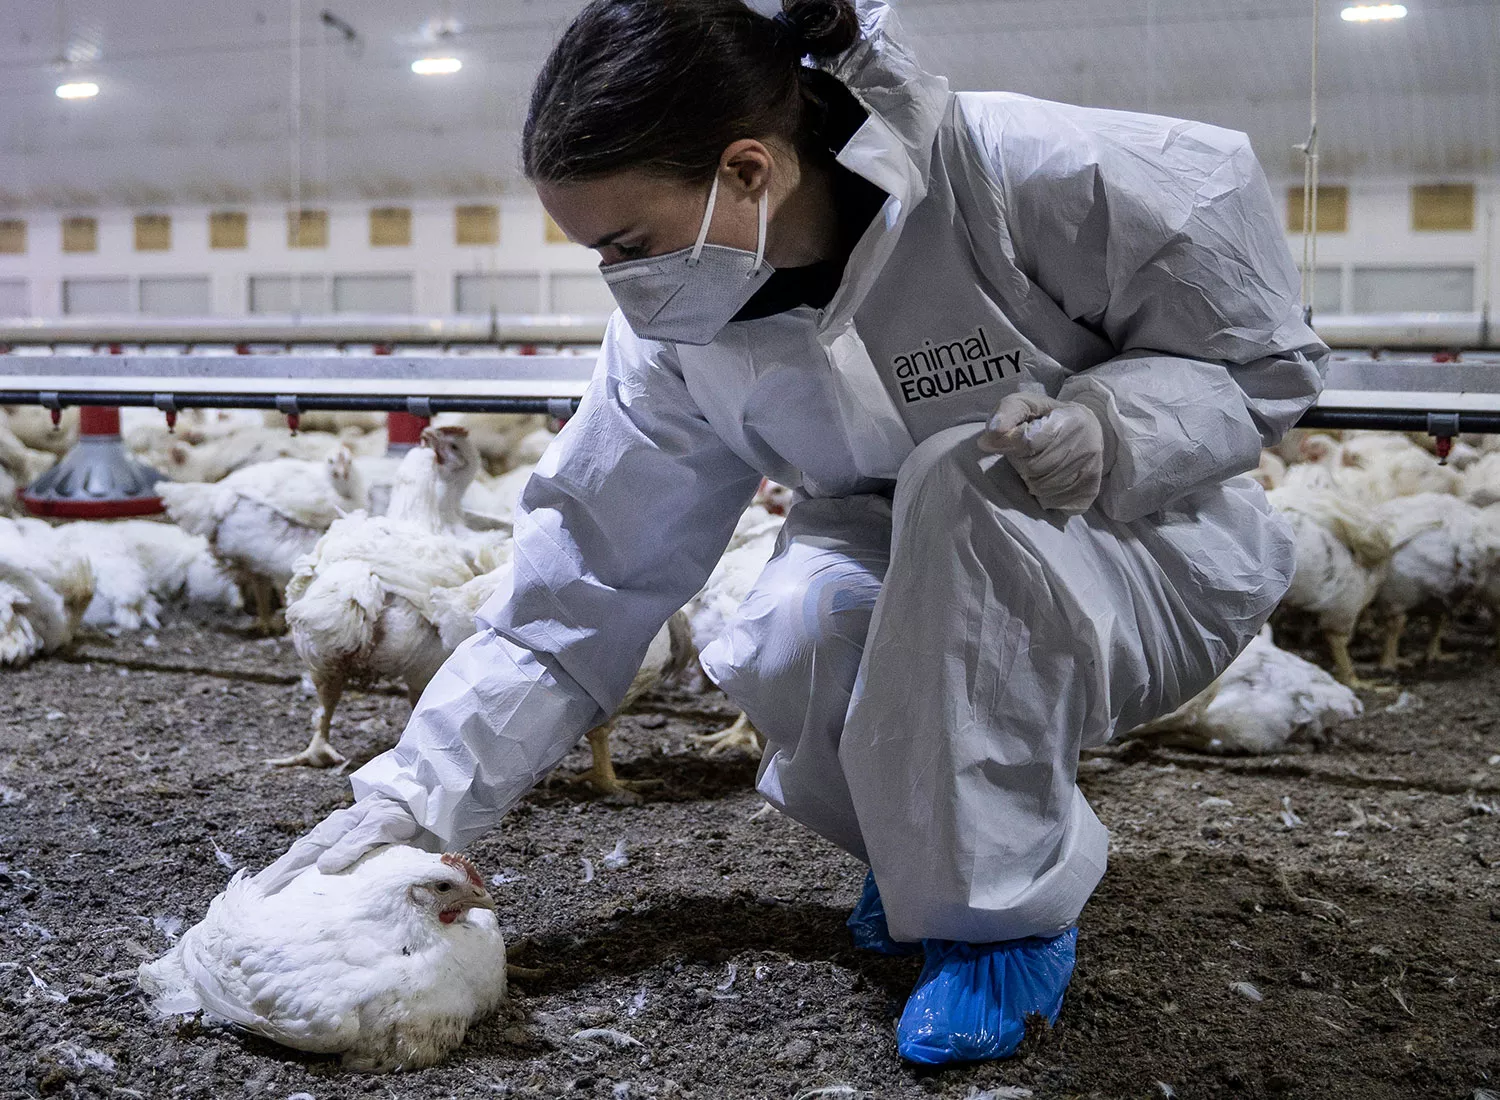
(827, 27)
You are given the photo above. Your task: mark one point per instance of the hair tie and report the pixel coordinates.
(782, 20)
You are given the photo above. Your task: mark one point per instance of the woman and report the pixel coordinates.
(1011, 353)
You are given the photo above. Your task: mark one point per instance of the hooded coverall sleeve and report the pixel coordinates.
(1163, 237)
(621, 523)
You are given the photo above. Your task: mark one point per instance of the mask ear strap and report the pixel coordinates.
(760, 233)
(708, 217)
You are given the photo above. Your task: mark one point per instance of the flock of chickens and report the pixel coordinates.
(380, 563)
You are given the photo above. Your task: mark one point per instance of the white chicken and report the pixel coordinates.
(496, 436)
(1341, 553)
(44, 591)
(33, 426)
(261, 519)
(360, 604)
(1271, 471)
(1264, 700)
(216, 458)
(140, 566)
(1442, 552)
(750, 548)
(1482, 481)
(387, 963)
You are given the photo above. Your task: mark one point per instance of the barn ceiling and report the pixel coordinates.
(196, 96)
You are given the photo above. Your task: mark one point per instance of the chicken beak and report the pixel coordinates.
(482, 900)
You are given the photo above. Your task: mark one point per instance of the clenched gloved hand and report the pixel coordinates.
(1056, 446)
(345, 835)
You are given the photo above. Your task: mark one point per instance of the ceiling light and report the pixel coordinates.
(436, 66)
(1373, 13)
(77, 91)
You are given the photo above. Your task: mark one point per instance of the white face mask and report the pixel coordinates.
(688, 296)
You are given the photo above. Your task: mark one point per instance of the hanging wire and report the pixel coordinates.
(295, 138)
(1310, 185)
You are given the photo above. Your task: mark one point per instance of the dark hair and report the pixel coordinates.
(664, 86)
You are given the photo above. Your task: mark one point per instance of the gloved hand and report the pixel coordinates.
(971, 1001)
(345, 835)
(867, 924)
(1056, 446)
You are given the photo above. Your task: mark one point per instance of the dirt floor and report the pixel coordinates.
(1322, 924)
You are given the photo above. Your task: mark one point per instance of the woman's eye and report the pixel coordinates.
(444, 887)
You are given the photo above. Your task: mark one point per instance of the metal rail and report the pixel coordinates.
(1410, 331)
(1393, 395)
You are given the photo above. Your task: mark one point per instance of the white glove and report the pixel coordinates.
(1056, 446)
(345, 835)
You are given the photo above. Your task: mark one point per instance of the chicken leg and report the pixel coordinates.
(320, 752)
(1390, 655)
(741, 735)
(601, 774)
(1343, 665)
(1435, 653)
(265, 605)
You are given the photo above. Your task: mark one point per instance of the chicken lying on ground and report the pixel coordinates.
(141, 566)
(261, 519)
(386, 963)
(1442, 552)
(44, 591)
(217, 458)
(1341, 554)
(1266, 699)
(360, 604)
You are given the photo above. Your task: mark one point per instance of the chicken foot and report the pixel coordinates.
(320, 752)
(741, 735)
(264, 594)
(1343, 664)
(601, 773)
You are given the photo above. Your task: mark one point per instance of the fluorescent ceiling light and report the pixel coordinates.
(436, 66)
(77, 91)
(1372, 13)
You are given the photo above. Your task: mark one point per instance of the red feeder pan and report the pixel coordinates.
(97, 479)
(403, 432)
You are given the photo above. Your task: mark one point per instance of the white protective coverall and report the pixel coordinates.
(928, 650)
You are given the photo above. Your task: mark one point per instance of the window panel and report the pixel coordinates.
(1443, 208)
(308, 294)
(1333, 210)
(80, 234)
(14, 299)
(175, 295)
(486, 293)
(307, 229)
(390, 227)
(12, 236)
(583, 293)
(86, 297)
(228, 229)
(372, 294)
(153, 232)
(1413, 289)
(476, 225)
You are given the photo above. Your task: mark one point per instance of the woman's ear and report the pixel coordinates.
(746, 168)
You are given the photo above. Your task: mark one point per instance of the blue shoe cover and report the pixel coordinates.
(972, 1000)
(867, 924)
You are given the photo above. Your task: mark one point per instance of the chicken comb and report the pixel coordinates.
(453, 859)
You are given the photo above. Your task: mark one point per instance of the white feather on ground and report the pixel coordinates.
(1266, 699)
(386, 963)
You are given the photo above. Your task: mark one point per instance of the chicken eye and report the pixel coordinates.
(444, 887)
